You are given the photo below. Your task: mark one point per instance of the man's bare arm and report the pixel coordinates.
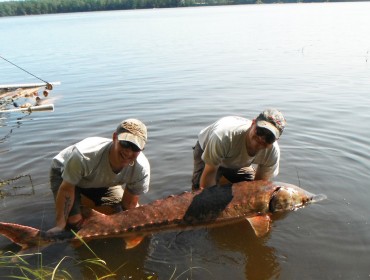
(63, 206)
(208, 177)
(129, 200)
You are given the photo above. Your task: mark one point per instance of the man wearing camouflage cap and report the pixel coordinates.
(105, 172)
(230, 146)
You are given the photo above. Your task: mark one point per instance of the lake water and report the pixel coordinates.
(178, 70)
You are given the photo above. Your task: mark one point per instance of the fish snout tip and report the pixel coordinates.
(318, 197)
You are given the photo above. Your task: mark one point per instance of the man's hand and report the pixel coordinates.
(54, 231)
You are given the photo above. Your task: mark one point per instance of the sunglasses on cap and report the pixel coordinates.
(129, 145)
(266, 134)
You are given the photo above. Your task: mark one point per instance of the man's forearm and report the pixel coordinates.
(261, 176)
(129, 200)
(64, 204)
(207, 180)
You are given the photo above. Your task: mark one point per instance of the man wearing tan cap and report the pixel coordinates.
(230, 146)
(108, 172)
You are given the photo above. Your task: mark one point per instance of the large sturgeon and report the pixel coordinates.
(214, 206)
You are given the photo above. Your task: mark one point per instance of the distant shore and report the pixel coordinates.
(39, 7)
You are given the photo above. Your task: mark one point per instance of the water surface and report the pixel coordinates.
(178, 70)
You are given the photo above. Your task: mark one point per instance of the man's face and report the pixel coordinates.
(125, 152)
(262, 138)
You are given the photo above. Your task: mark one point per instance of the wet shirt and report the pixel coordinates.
(86, 165)
(224, 144)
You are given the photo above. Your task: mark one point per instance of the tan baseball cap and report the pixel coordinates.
(134, 131)
(273, 120)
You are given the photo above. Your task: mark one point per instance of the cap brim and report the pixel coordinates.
(125, 136)
(270, 127)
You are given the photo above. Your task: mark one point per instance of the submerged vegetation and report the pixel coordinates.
(37, 7)
(19, 267)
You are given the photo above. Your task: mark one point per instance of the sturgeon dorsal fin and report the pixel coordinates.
(260, 224)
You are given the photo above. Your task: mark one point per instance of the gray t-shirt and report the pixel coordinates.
(224, 145)
(86, 165)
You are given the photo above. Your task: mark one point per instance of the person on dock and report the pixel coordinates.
(232, 145)
(109, 173)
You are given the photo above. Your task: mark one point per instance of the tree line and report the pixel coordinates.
(37, 7)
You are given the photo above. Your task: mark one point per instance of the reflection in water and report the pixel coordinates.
(241, 238)
(7, 131)
(126, 264)
(204, 254)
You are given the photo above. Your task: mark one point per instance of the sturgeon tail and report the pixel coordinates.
(24, 236)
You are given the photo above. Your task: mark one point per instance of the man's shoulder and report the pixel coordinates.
(234, 119)
(224, 128)
(232, 124)
(92, 144)
(87, 150)
(143, 161)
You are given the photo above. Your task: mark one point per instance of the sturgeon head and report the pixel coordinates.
(287, 197)
(260, 199)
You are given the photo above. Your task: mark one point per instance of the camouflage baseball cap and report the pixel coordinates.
(134, 131)
(272, 120)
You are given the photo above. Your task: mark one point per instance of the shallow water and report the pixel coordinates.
(178, 70)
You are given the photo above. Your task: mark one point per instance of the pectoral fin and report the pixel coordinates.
(260, 225)
(132, 242)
